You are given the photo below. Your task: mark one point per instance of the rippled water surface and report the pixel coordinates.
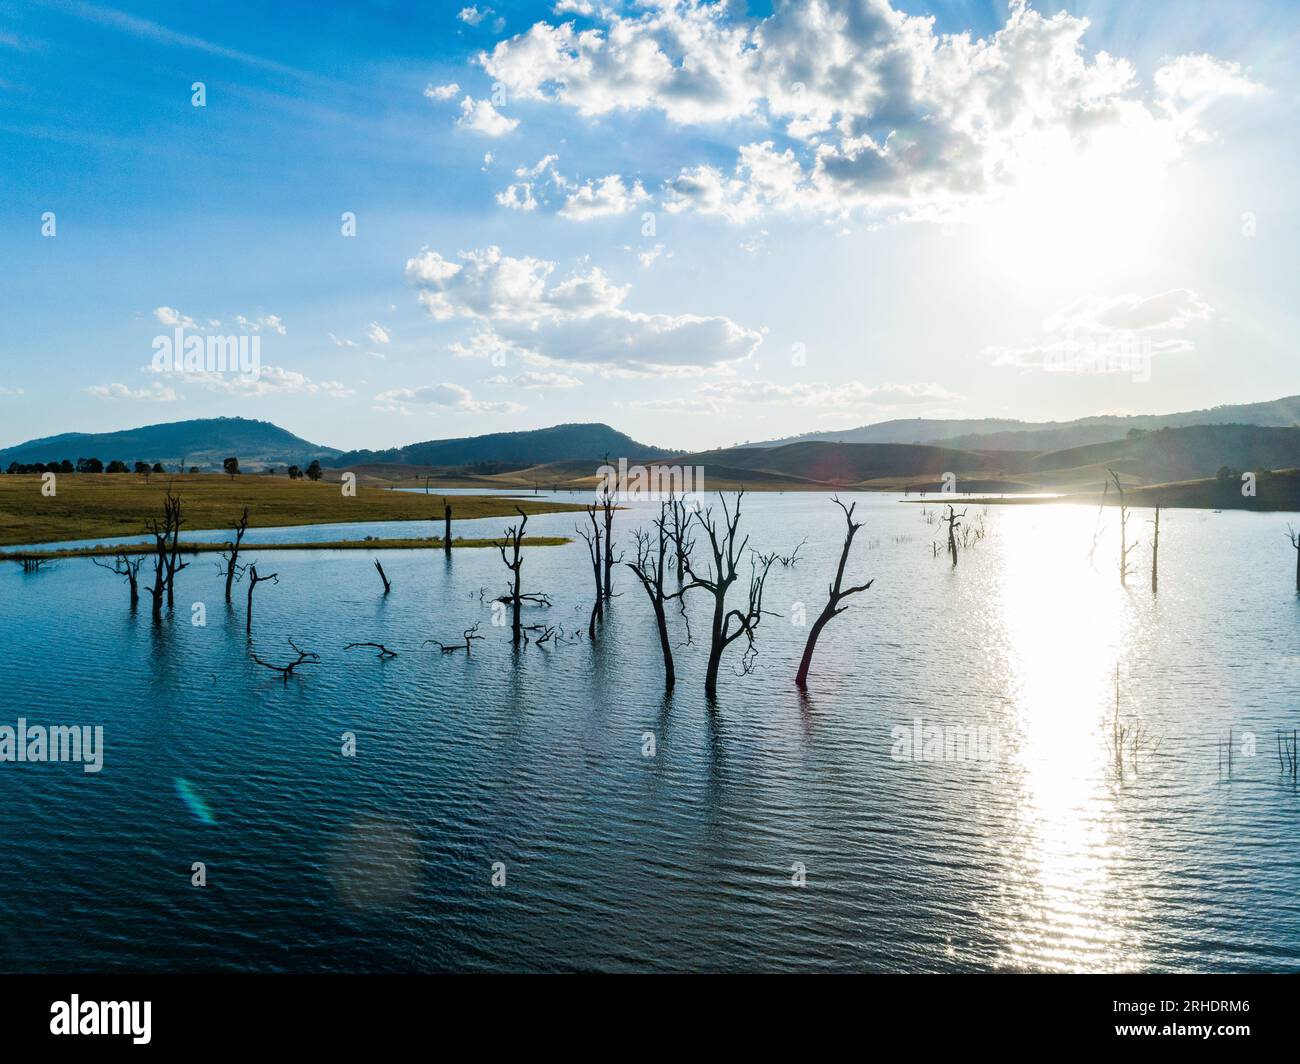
(1042, 857)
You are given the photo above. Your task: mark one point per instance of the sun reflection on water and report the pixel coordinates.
(1066, 623)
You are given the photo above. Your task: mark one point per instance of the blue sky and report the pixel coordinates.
(699, 223)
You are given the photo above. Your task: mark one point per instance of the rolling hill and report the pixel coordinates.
(202, 442)
(518, 449)
(1009, 435)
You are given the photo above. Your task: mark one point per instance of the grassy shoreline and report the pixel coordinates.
(104, 505)
(108, 551)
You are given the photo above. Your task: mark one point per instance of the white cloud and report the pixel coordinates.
(153, 393)
(377, 334)
(882, 113)
(481, 117)
(1112, 334)
(518, 197)
(173, 318)
(442, 92)
(443, 396)
(604, 197)
(580, 321)
(472, 16)
(535, 379)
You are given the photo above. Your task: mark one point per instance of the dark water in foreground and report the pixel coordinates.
(1043, 858)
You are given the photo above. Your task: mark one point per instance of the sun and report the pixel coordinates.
(1080, 212)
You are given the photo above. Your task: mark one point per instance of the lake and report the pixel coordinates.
(771, 832)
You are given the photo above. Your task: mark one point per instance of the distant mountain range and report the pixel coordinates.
(203, 442)
(1023, 455)
(993, 434)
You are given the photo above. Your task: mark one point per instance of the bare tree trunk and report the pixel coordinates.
(232, 560)
(649, 568)
(253, 581)
(446, 526)
(837, 594)
(726, 550)
(593, 539)
(953, 521)
(514, 562)
(1155, 555)
(608, 507)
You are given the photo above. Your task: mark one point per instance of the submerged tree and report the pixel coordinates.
(1125, 569)
(1295, 542)
(679, 531)
(953, 521)
(649, 567)
(446, 524)
(593, 541)
(515, 597)
(125, 567)
(167, 563)
(253, 581)
(233, 570)
(305, 657)
(1155, 554)
(382, 576)
(607, 508)
(837, 594)
(726, 626)
(469, 635)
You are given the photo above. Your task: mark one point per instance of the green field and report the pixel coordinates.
(104, 505)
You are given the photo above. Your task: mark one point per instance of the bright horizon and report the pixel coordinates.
(697, 224)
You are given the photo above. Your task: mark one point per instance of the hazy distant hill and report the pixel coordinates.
(1185, 453)
(993, 434)
(202, 442)
(850, 463)
(557, 444)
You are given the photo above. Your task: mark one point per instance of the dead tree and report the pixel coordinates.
(515, 597)
(607, 508)
(384, 652)
(593, 540)
(124, 566)
(1295, 542)
(953, 521)
(172, 505)
(380, 570)
(649, 568)
(717, 580)
(680, 534)
(446, 524)
(253, 581)
(1125, 569)
(837, 594)
(1155, 554)
(1096, 532)
(305, 657)
(450, 648)
(167, 563)
(233, 569)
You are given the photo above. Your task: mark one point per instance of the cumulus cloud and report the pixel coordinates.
(601, 198)
(869, 107)
(472, 16)
(580, 321)
(439, 396)
(1114, 334)
(155, 392)
(377, 334)
(442, 92)
(481, 117)
(173, 318)
(536, 379)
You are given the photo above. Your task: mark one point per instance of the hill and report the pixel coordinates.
(992, 434)
(582, 442)
(202, 442)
